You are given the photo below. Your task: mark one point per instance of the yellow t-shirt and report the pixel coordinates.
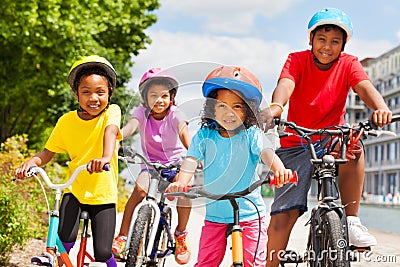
(83, 141)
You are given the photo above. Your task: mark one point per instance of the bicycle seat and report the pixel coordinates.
(84, 215)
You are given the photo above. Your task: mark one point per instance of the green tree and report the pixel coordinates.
(40, 39)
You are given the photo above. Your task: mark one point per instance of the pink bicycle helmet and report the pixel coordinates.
(157, 73)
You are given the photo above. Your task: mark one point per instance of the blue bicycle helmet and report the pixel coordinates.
(331, 16)
(234, 78)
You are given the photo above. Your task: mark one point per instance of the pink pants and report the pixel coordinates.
(213, 242)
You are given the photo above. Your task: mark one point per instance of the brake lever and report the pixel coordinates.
(383, 132)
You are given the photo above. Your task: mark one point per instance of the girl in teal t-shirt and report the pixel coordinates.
(230, 143)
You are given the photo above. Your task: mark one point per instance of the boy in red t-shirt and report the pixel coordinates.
(317, 83)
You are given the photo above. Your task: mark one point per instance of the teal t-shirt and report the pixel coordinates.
(230, 165)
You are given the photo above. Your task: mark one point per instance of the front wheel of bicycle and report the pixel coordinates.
(333, 242)
(140, 238)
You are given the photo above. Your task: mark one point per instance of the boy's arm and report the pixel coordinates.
(184, 176)
(39, 159)
(130, 128)
(109, 142)
(374, 100)
(281, 95)
(184, 134)
(281, 174)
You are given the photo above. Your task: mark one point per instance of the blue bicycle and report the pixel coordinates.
(149, 239)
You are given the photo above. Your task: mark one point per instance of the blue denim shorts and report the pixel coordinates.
(168, 174)
(290, 196)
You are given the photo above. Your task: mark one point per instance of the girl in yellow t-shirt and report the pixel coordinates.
(89, 136)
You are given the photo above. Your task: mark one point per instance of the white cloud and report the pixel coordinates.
(226, 16)
(168, 49)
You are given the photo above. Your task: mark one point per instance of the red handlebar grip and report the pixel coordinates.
(294, 179)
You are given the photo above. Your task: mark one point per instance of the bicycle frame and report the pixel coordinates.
(328, 223)
(236, 230)
(154, 199)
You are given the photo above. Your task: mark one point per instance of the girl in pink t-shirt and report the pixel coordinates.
(165, 138)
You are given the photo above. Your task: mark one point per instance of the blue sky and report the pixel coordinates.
(192, 37)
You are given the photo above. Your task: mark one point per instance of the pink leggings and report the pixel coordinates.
(213, 242)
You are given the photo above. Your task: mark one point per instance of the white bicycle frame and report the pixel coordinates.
(149, 200)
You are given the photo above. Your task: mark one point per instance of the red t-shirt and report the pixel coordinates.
(319, 97)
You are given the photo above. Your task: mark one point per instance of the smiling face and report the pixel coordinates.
(229, 111)
(327, 43)
(93, 95)
(159, 100)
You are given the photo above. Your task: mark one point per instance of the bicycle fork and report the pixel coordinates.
(153, 230)
(236, 234)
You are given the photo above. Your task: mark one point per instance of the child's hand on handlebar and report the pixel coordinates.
(381, 117)
(97, 165)
(21, 171)
(282, 176)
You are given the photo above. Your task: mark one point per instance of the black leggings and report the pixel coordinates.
(103, 219)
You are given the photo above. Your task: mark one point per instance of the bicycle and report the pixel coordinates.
(234, 230)
(149, 239)
(54, 246)
(328, 243)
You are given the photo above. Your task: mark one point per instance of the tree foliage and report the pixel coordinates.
(40, 39)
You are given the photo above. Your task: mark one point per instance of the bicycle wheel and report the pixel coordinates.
(333, 241)
(140, 238)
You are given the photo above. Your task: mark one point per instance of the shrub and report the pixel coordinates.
(23, 209)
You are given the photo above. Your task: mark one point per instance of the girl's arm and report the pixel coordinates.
(39, 159)
(374, 100)
(184, 134)
(109, 142)
(281, 174)
(184, 176)
(130, 128)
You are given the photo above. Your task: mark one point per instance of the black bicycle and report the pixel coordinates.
(234, 230)
(328, 235)
(149, 239)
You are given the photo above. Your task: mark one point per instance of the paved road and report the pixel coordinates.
(385, 254)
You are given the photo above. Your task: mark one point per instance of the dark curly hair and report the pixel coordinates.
(251, 117)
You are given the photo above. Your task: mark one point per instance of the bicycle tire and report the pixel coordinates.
(327, 235)
(140, 238)
(333, 241)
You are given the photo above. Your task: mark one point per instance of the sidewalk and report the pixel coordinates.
(385, 254)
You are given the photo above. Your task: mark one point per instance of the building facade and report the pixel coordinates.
(382, 161)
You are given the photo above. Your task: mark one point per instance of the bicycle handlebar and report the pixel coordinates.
(367, 126)
(35, 169)
(128, 154)
(195, 192)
